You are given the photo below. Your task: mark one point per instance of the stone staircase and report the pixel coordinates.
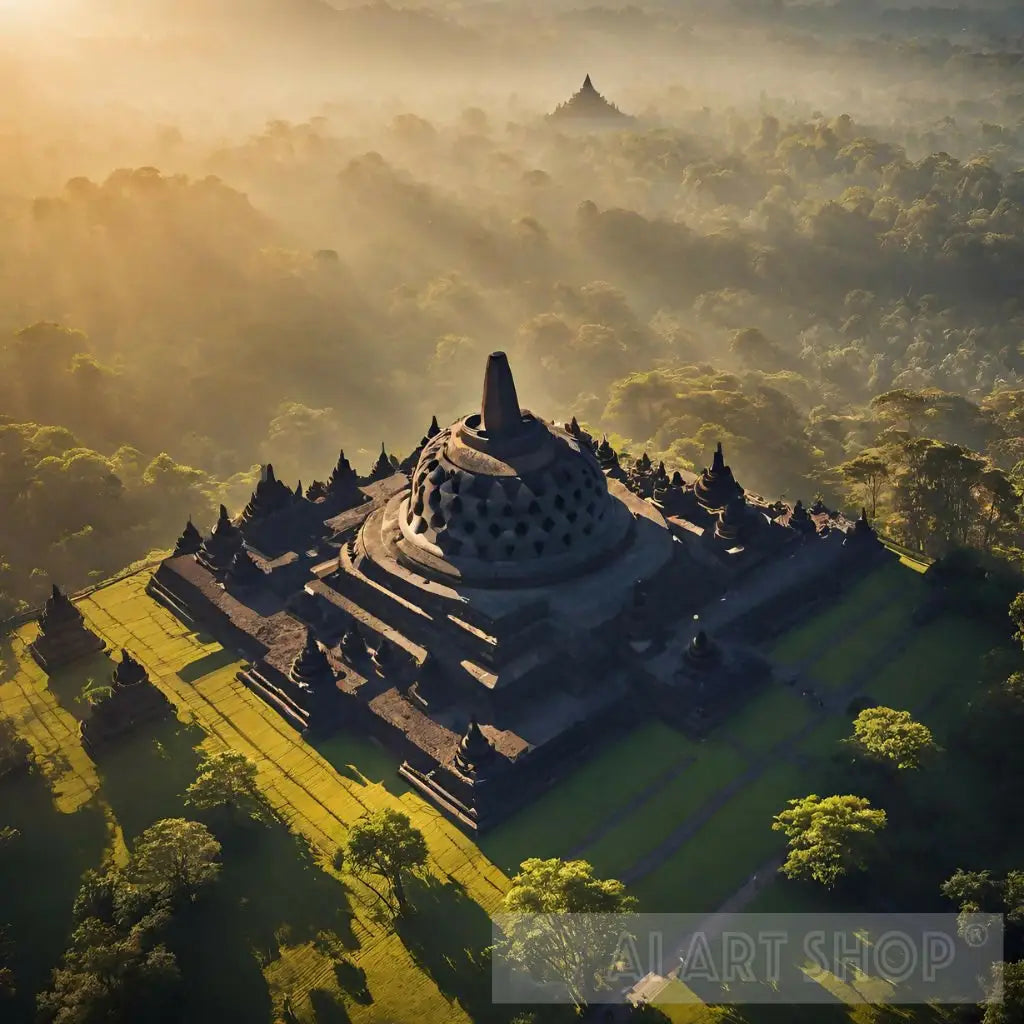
(275, 696)
(451, 807)
(156, 590)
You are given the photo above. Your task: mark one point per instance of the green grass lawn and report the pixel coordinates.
(823, 740)
(41, 869)
(840, 665)
(654, 820)
(770, 718)
(723, 854)
(565, 817)
(940, 660)
(861, 603)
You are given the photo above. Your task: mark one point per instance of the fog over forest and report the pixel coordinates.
(240, 231)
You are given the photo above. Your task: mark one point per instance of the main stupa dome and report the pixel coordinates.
(503, 496)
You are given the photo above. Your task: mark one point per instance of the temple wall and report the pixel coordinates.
(208, 613)
(835, 571)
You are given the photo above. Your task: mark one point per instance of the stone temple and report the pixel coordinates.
(587, 105)
(498, 604)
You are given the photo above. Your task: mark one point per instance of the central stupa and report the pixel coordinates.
(502, 497)
(495, 614)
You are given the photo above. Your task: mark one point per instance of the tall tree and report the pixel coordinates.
(1009, 1009)
(562, 924)
(868, 475)
(828, 836)
(228, 780)
(893, 737)
(998, 505)
(116, 968)
(936, 488)
(903, 407)
(385, 845)
(981, 892)
(176, 857)
(1017, 617)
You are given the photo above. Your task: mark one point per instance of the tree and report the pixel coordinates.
(752, 347)
(228, 780)
(993, 728)
(902, 407)
(936, 493)
(14, 750)
(94, 693)
(386, 845)
(979, 892)
(998, 503)
(828, 836)
(1017, 617)
(868, 473)
(892, 736)
(176, 857)
(1009, 977)
(116, 968)
(561, 924)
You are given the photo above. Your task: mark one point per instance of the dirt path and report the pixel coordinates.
(834, 702)
(648, 793)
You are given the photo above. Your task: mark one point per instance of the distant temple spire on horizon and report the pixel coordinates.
(587, 102)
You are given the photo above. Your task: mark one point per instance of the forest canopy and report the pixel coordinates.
(211, 263)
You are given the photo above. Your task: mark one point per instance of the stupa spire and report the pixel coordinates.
(475, 750)
(383, 467)
(587, 83)
(499, 410)
(190, 541)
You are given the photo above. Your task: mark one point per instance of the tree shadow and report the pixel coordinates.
(9, 655)
(350, 977)
(67, 682)
(327, 1009)
(206, 664)
(788, 1013)
(448, 936)
(270, 893)
(286, 895)
(146, 772)
(361, 760)
(41, 869)
(352, 981)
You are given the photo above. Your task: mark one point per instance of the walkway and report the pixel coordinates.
(786, 750)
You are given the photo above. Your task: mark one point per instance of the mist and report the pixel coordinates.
(239, 232)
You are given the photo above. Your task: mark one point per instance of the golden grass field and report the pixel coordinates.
(316, 801)
(317, 936)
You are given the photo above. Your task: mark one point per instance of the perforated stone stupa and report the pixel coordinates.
(501, 601)
(501, 496)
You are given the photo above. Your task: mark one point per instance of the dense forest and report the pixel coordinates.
(225, 243)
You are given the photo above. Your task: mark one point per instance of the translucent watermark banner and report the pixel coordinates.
(747, 958)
